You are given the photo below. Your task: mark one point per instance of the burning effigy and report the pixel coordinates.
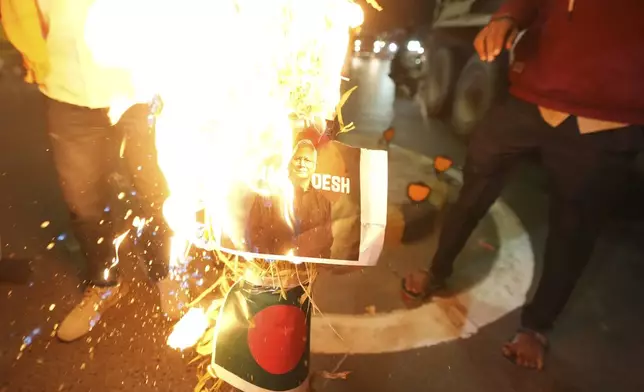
(247, 107)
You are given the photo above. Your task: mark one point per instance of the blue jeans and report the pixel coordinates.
(86, 152)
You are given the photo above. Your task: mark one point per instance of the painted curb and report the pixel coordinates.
(502, 291)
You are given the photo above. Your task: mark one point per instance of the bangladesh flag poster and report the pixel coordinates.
(262, 339)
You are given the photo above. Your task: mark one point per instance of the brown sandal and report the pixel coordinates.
(431, 287)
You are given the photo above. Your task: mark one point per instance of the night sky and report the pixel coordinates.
(396, 13)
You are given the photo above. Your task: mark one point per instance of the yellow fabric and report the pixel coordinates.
(22, 25)
(586, 125)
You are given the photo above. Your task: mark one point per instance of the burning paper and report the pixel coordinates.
(339, 208)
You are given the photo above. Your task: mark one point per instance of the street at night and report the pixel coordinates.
(451, 344)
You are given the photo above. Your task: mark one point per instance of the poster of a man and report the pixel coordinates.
(338, 211)
(309, 232)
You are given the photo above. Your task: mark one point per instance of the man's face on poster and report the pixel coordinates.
(303, 164)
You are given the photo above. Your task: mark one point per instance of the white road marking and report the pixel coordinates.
(502, 291)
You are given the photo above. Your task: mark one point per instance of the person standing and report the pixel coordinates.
(576, 100)
(400, 73)
(85, 144)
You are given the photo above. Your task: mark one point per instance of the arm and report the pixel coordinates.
(267, 232)
(255, 231)
(335, 269)
(326, 237)
(503, 29)
(317, 241)
(26, 30)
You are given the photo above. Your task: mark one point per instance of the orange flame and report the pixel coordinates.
(225, 131)
(187, 332)
(231, 74)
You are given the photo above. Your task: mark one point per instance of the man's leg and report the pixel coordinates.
(81, 155)
(141, 159)
(151, 188)
(587, 183)
(508, 132)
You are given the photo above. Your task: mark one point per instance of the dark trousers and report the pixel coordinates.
(86, 152)
(588, 176)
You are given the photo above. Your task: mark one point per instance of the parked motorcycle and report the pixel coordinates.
(406, 65)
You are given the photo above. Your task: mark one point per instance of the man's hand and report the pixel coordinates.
(499, 33)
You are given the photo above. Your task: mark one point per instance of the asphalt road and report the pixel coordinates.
(597, 345)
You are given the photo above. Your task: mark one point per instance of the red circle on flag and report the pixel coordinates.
(278, 338)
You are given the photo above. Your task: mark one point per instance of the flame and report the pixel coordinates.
(115, 260)
(231, 75)
(187, 331)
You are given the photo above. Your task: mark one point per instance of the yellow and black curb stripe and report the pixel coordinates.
(410, 222)
(416, 219)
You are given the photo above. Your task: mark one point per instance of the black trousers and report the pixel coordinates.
(588, 175)
(86, 153)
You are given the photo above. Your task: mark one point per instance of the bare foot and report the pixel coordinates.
(527, 349)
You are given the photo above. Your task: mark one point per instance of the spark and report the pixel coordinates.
(44, 224)
(122, 148)
(115, 261)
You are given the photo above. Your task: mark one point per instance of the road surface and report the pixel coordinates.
(597, 345)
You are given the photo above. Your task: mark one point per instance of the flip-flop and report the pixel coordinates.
(414, 299)
(512, 358)
(410, 294)
(430, 290)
